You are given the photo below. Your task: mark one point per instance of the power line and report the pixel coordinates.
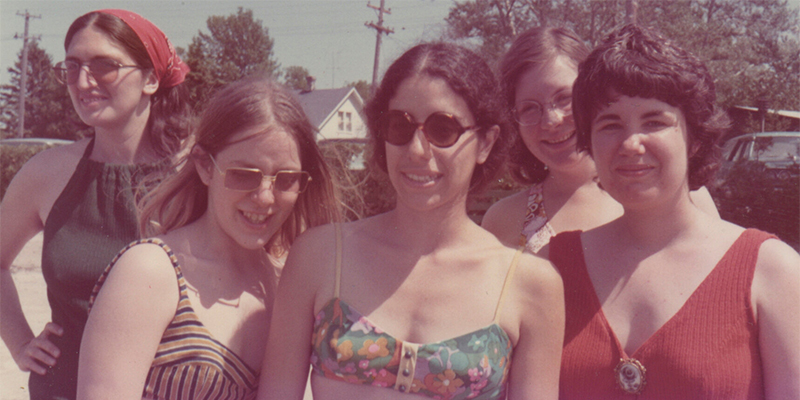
(381, 31)
(24, 76)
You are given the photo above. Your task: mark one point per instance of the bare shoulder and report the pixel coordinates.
(310, 264)
(505, 218)
(778, 262)
(144, 262)
(47, 173)
(537, 277)
(536, 298)
(56, 162)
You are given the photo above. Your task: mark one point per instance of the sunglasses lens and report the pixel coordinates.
(104, 71)
(291, 181)
(396, 128)
(242, 179)
(442, 130)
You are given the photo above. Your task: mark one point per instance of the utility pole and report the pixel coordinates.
(381, 31)
(24, 76)
(631, 10)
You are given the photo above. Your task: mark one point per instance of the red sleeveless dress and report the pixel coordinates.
(707, 350)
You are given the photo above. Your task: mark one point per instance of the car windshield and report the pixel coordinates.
(776, 149)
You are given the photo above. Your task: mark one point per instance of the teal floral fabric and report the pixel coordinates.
(348, 347)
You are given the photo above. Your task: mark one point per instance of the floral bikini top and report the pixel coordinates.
(347, 347)
(536, 231)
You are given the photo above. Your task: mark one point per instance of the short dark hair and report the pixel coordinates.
(170, 115)
(639, 62)
(468, 75)
(533, 48)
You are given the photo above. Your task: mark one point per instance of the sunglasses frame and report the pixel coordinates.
(421, 126)
(271, 178)
(62, 72)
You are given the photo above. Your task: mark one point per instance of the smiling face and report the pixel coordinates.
(552, 140)
(641, 152)
(424, 175)
(251, 218)
(112, 105)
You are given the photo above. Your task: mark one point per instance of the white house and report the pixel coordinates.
(337, 113)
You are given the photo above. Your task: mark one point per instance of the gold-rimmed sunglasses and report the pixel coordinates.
(249, 179)
(102, 70)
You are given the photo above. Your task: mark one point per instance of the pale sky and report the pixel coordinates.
(327, 37)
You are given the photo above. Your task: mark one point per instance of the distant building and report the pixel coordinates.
(743, 117)
(337, 113)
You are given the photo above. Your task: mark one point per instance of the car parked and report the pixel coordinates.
(758, 184)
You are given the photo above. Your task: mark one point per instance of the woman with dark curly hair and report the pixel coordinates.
(420, 301)
(125, 81)
(667, 301)
(536, 76)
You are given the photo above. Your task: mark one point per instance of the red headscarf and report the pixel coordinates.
(169, 68)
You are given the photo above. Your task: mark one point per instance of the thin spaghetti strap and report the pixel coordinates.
(509, 275)
(338, 278)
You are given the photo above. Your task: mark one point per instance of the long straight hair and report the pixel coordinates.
(249, 104)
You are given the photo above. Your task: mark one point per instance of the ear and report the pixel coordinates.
(694, 147)
(202, 164)
(486, 143)
(151, 84)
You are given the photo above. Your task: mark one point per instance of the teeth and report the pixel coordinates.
(561, 139)
(254, 218)
(420, 178)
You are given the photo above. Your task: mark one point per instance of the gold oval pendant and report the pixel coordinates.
(630, 375)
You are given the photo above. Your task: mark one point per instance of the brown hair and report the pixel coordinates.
(252, 103)
(170, 114)
(468, 75)
(533, 48)
(638, 62)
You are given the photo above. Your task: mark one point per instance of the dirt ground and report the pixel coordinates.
(27, 274)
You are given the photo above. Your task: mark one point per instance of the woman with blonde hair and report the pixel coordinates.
(185, 314)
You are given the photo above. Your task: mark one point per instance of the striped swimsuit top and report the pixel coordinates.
(189, 362)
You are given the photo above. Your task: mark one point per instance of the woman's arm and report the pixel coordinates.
(539, 307)
(284, 371)
(21, 220)
(776, 297)
(136, 304)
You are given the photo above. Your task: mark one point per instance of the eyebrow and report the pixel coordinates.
(606, 117)
(651, 114)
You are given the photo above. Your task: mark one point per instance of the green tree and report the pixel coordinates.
(48, 109)
(362, 87)
(752, 47)
(295, 77)
(236, 46)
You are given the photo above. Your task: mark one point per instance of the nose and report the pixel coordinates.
(632, 144)
(419, 146)
(85, 78)
(264, 194)
(552, 117)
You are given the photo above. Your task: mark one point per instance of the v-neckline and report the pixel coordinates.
(670, 321)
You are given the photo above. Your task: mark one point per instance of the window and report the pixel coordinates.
(345, 121)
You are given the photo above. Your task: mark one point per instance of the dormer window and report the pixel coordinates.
(345, 121)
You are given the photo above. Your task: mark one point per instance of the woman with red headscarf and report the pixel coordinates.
(123, 77)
